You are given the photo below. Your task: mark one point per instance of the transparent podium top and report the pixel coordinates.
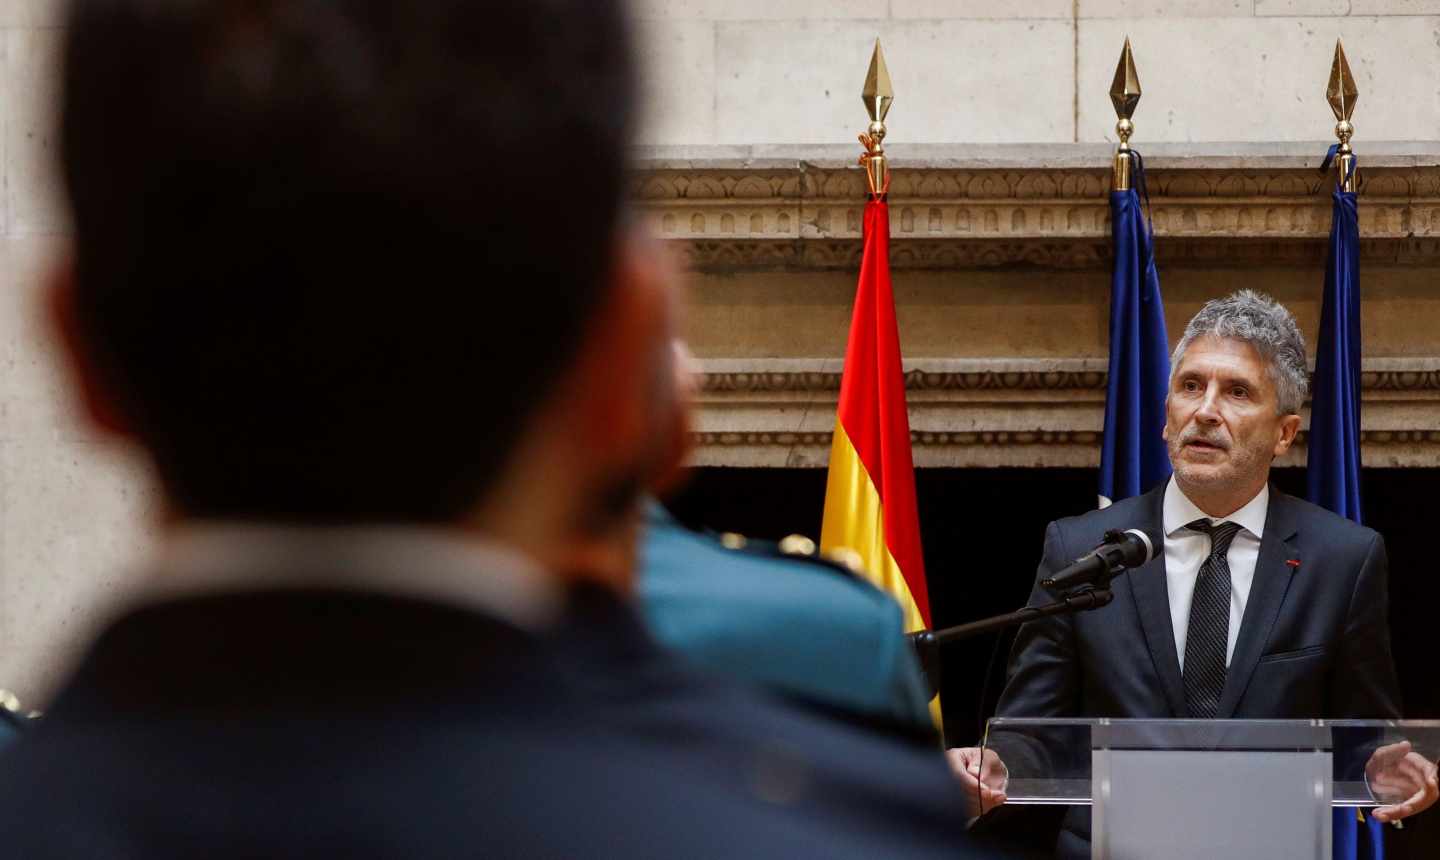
(1049, 761)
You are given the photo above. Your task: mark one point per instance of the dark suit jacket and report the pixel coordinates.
(1314, 641)
(331, 724)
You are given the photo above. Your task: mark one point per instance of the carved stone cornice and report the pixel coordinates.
(1420, 379)
(737, 208)
(1008, 438)
(1003, 412)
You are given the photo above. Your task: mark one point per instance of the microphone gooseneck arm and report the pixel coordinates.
(927, 643)
(1081, 586)
(1079, 601)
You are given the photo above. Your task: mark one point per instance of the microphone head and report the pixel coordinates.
(1136, 547)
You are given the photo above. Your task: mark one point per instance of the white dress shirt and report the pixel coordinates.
(435, 564)
(1186, 550)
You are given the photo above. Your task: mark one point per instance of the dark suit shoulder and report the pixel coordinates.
(1127, 513)
(1326, 524)
(1081, 533)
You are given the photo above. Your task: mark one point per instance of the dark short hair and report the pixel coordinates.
(331, 253)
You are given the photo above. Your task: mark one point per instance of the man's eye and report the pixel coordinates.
(1191, 385)
(1240, 392)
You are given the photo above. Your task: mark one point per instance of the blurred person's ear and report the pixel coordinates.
(636, 396)
(97, 396)
(619, 417)
(680, 441)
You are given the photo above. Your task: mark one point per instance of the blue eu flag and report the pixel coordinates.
(1334, 465)
(1133, 457)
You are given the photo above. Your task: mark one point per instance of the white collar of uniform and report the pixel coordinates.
(1180, 511)
(435, 564)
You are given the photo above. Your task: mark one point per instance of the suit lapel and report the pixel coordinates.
(1267, 595)
(1152, 604)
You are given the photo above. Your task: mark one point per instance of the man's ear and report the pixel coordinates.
(1289, 426)
(624, 385)
(63, 316)
(678, 443)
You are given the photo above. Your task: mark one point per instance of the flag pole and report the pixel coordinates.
(1125, 95)
(871, 512)
(1133, 458)
(878, 95)
(1342, 93)
(1333, 459)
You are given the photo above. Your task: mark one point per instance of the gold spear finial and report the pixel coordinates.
(878, 92)
(1125, 95)
(877, 95)
(1342, 95)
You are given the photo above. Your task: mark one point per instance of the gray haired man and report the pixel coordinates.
(1257, 605)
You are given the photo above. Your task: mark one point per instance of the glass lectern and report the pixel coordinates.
(1184, 789)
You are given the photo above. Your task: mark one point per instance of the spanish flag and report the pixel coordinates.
(870, 493)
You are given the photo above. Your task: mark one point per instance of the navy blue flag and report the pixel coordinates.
(1333, 468)
(1133, 457)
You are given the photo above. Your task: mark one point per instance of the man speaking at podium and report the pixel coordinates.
(1256, 604)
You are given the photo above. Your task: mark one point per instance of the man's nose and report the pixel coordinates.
(1209, 410)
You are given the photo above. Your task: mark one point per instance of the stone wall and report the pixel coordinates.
(1035, 71)
(1001, 263)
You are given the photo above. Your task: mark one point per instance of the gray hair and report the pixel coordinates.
(1265, 324)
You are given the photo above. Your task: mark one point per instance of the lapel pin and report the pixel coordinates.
(1293, 562)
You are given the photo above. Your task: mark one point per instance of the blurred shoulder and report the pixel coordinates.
(676, 559)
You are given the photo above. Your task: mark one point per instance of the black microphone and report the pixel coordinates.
(1119, 552)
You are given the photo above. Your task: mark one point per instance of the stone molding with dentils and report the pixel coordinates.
(1420, 380)
(1003, 412)
(737, 208)
(1022, 449)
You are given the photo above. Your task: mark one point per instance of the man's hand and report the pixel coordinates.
(1394, 772)
(983, 788)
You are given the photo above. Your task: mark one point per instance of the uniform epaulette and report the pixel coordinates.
(10, 712)
(798, 548)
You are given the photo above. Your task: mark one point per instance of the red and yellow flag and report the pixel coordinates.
(870, 493)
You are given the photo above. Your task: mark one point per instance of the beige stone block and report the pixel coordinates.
(1261, 79)
(31, 89)
(678, 62)
(941, 314)
(769, 314)
(1400, 314)
(1302, 7)
(73, 528)
(958, 81)
(31, 13)
(755, 10)
(1020, 314)
(1164, 8)
(981, 9)
(1395, 7)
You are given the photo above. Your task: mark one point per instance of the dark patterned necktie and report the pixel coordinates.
(1208, 636)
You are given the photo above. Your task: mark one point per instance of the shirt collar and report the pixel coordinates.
(1179, 511)
(405, 561)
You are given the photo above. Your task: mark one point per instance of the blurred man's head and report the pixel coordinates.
(342, 260)
(1237, 382)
